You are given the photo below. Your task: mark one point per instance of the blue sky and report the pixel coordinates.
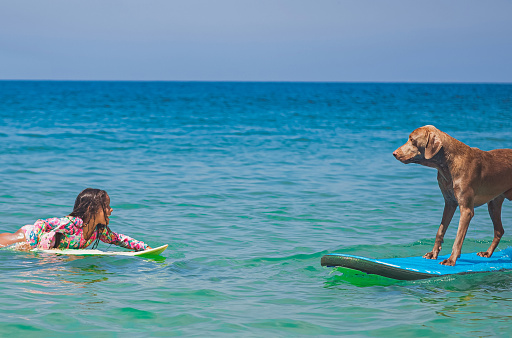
(257, 40)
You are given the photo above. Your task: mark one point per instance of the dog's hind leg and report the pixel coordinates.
(494, 207)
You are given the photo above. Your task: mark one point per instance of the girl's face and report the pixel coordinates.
(100, 215)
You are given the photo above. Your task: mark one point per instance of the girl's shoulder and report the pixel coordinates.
(62, 221)
(73, 221)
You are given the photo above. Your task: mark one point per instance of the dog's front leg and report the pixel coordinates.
(449, 210)
(466, 214)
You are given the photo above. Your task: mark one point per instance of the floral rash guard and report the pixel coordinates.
(42, 234)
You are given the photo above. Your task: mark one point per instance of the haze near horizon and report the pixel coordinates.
(284, 40)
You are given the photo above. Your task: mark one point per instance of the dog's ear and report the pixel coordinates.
(433, 146)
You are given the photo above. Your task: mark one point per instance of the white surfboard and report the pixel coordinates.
(86, 252)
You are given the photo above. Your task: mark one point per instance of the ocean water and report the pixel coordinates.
(250, 184)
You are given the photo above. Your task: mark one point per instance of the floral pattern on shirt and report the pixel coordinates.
(42, 233)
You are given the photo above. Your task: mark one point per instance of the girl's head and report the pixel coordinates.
(92, 206)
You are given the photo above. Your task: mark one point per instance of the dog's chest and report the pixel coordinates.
(446, 186)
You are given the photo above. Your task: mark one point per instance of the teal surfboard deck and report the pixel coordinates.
(86, 252)
(412, 268)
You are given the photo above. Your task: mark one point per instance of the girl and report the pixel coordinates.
(87, 223)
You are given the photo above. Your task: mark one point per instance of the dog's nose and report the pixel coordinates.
(395, 153)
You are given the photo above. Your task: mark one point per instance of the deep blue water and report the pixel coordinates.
(250, 184)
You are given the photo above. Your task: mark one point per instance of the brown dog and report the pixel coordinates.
(468, 177)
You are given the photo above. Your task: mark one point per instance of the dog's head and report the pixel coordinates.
(423, 144)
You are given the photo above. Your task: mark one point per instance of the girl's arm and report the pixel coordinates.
(110, 237)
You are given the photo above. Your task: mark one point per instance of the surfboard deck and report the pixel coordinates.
(412, 268)
(86, 252)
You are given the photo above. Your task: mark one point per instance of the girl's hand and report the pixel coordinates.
(22, 246)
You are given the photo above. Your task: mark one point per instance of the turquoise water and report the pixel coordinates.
(250, 184)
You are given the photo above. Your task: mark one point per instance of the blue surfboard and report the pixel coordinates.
(412, 268)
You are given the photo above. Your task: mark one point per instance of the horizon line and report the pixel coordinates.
(264, 81)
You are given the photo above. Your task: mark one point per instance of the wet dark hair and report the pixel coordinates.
(87, 205)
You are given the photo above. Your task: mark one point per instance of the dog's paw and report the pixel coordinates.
(484, 254)
(430, 255)
(448, 262)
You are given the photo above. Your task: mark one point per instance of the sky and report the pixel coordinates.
(257, 40)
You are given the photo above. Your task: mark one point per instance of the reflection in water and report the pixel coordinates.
(41, 273)
(463, 297)
(55, 276)
(159, 259)
(357, 278)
